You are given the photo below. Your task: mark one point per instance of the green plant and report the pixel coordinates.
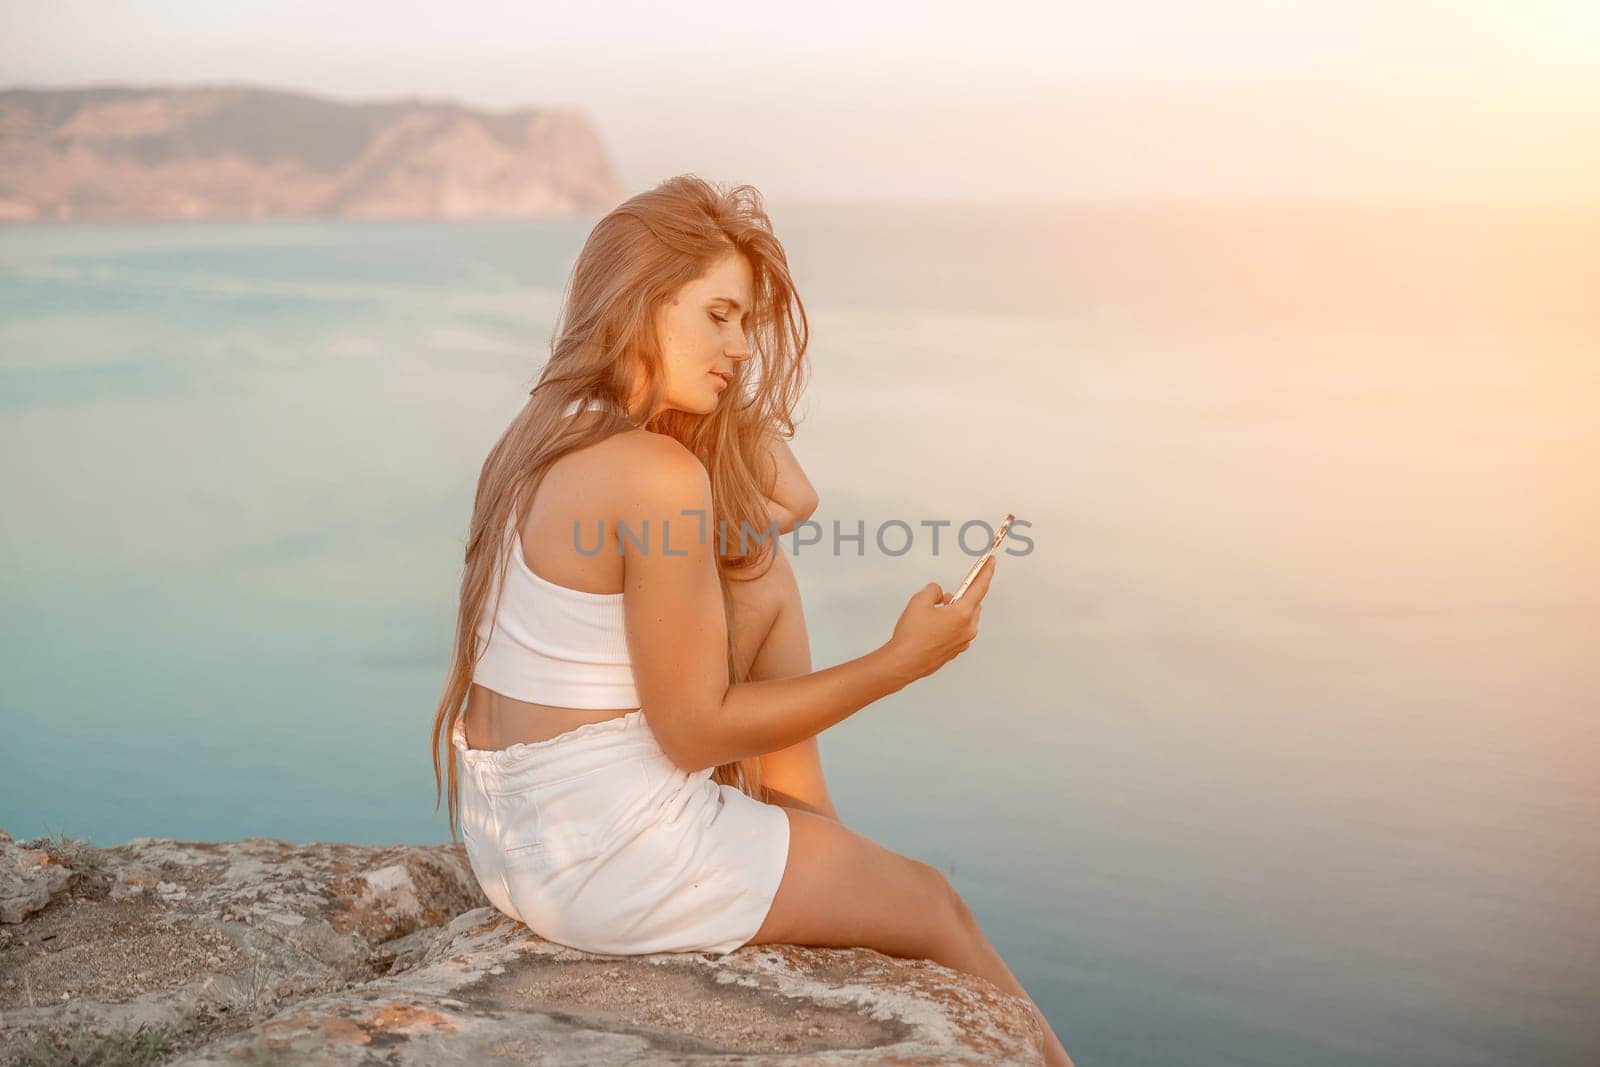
(146, 1045)
(143, 1047)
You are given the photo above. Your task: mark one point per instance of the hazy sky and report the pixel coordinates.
(992, 99)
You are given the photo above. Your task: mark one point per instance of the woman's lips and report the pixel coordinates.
(721, 378)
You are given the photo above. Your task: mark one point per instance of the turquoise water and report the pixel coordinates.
(1281, 746)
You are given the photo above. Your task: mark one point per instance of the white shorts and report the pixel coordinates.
(596, 840)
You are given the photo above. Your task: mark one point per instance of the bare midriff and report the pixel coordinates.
(494, 720)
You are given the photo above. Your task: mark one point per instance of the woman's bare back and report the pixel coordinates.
(580, 488)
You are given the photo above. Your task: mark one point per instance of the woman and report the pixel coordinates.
(631, 694)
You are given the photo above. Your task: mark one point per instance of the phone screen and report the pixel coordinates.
(1000, 535)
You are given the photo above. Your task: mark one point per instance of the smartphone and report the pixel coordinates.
(1000, 535)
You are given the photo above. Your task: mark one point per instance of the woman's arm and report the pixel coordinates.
(678, 638)
(790, 496)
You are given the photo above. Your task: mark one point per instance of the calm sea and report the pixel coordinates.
(1280, 746)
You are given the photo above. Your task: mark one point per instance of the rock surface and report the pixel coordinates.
(265, 951)
(29, 879)
(245, 153)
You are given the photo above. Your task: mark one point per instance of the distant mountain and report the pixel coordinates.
(245, 153)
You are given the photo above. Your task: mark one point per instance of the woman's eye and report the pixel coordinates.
(718, 318)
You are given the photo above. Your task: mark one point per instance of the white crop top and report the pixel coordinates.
(552, 644)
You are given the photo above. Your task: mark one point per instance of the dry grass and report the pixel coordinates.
(143, 1046)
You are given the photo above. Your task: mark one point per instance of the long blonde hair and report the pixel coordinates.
(634, 260)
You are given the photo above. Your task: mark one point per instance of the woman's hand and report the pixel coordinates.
(932, 631)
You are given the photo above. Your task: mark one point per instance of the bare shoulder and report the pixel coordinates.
(649, 471)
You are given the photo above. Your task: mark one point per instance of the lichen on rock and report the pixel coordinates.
(262, 950)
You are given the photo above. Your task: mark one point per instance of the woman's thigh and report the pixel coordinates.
(842, 889)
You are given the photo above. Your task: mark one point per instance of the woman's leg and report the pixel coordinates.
(770, 641)
(842, 889)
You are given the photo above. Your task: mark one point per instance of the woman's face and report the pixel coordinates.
(702, 335)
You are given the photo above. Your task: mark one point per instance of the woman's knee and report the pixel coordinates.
(960, 917)
(951, 921)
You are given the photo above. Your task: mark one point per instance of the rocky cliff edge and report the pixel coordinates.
(264, 951)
